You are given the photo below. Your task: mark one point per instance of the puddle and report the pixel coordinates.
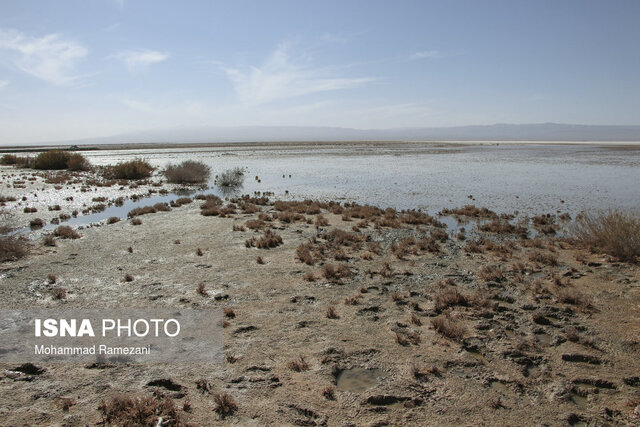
(113, 211)
(499, 386)
(543, 338)
(580, 401)
(358, 380)
(478, 356)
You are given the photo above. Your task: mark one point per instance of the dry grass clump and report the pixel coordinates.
(448, 297)
(304, 253)
(230, 178)
(332, 313)
(229, 313)
(260, 260)
(309, 276)
(128, 278)
(572, 296)
(58, 293)
(133, 169)
(448, 327)
(51, 160)
(616, 233)
(12, 248)
(36, 223)
(202, 290)
(470, 211)
(51, 278)
(30, 210)
(256, 224)
(136, 221)
(225, 404)
(490, 273)
(329, 393)
(130, 411)
(503, 227)
(330, 272)
(268, 240)
(321, 221)
(298, 364)
(386, 271)
(66, 232)
(289, 217)
(49, 240)
(308, 207)
(543, 258)
(187, 172)
(474, 246)
(113, 220)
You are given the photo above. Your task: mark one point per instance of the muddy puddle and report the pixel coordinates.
(358, 380)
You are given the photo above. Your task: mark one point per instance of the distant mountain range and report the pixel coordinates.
(496, 132)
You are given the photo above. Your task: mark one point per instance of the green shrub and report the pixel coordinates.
(52, 160)
(133, 169)
(187, 172)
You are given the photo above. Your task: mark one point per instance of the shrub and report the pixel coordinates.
(66, 232)
(299, 364)
(77, 162)
(36, 223)
(140, 411)
(615, 232)
(230, 178)
(9, 159)
(225, 404)
(133, 169)
(12, 248)
(52, 160)
(187, 172)
(448, 327)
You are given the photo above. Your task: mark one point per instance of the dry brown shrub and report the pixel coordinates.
(543, 258)
(616, 233)
(66, 232)
(332, 313)
(448, 297)
(448, 327)
(131, 411)
(267, 241)
(225, 404)
(490, 273)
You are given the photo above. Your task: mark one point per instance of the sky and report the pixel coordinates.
(80, 69)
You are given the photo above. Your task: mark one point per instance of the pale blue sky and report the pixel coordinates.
(77, 69)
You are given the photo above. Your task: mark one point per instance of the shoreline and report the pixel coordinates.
(303, 144)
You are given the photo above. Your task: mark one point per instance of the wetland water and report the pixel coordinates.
(529, 178)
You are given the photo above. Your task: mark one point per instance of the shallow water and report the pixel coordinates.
(358, 380)
(505, 177)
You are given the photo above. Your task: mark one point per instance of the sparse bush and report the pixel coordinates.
(36, 223)
(202, 290)
(77, 162)
(615, 232)
(66, 232)
(52, 160)
(225, 404)
(125, 410)
(231, 178)
(332, 313)
(133, 169)
(299, 364)
(12, 248)
(187, 172)
(113, 220)
(448, 327)
(58, 293)
(267, 241)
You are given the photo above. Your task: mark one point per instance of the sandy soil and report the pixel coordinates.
(544, 344)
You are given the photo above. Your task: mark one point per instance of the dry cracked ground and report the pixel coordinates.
(338, 315)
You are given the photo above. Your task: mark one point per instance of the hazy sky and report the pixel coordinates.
(75, 69)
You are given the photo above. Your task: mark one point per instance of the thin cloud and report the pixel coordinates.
(3, 83)
(282, 77)
(427, 54)
(49, 58)
(137, 59)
